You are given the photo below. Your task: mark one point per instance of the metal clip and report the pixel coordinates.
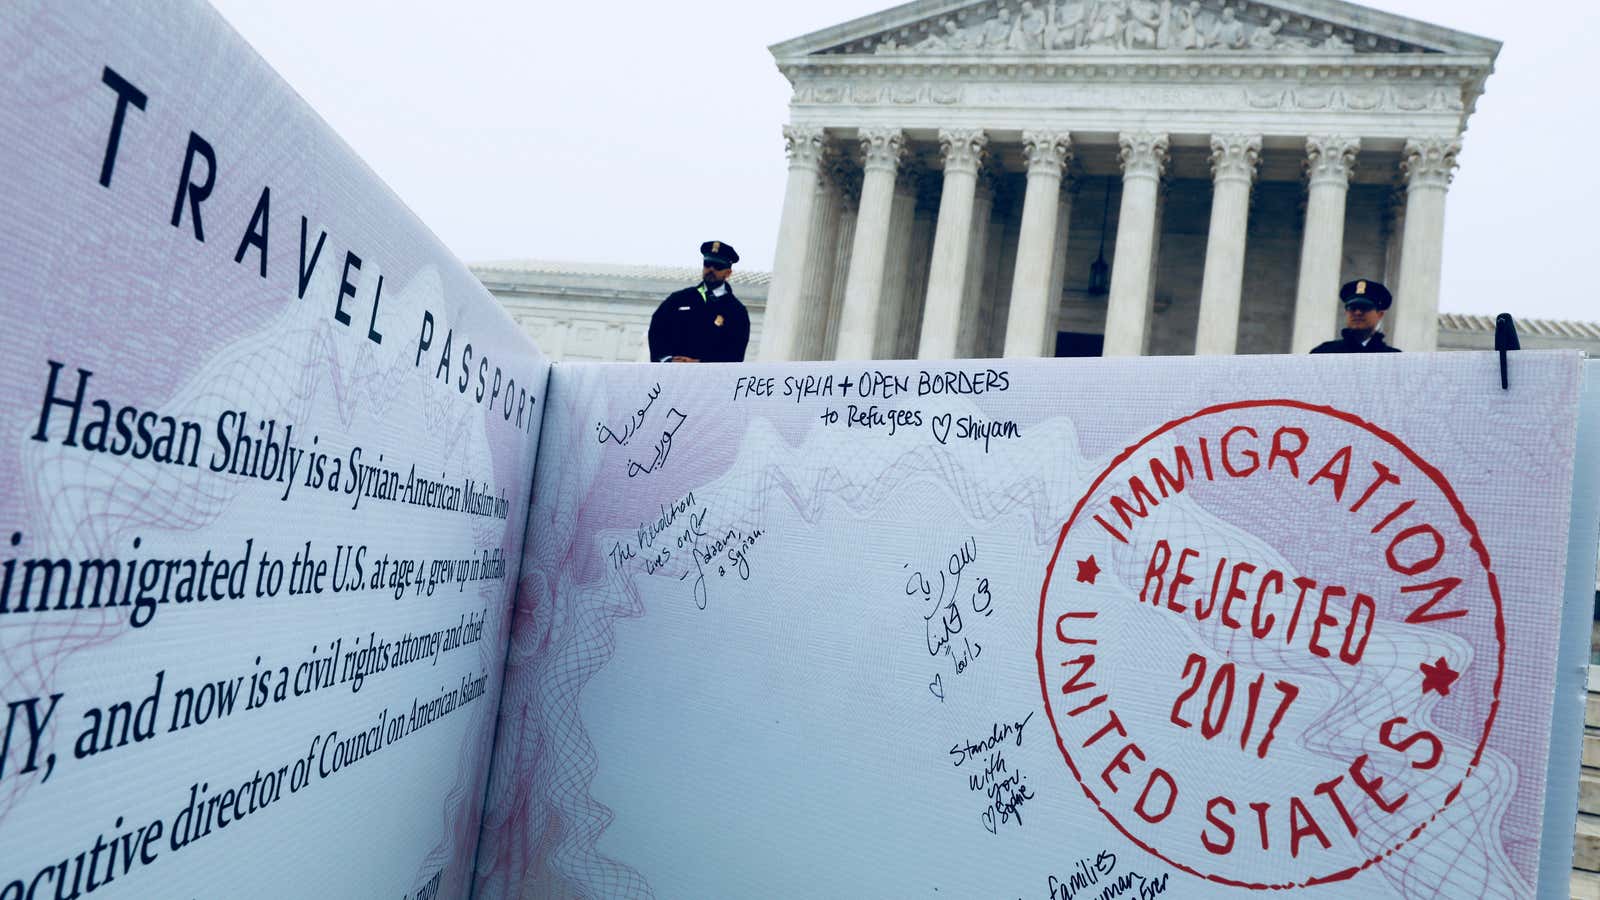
(1505, 338)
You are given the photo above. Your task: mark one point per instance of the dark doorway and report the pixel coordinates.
(1078, 343)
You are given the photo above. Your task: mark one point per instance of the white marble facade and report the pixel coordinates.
(956, 168)
(596, 312)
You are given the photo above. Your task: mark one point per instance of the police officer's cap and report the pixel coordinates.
(718, 255)
(1364, 289)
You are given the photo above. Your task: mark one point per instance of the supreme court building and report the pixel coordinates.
(1082, 177)
(1120, 176)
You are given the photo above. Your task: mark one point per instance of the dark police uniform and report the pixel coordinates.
(1378, 297)
(1350, 342)
(702, 323)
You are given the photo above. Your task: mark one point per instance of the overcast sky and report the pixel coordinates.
(630, 131)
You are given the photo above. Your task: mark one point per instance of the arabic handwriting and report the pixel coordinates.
(948, 609)
(663, 447)
(604, 432)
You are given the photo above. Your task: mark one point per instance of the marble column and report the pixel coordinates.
(881, 150)
(898, 266)
(1058, 267)
(1006, 231)
(980, 265)
(1394, 226)
(806, 147)
(1413, 321)
(963, 152)
(1329, 161)
(1234, 158)
(1030, 324)
(1144, 158)
(822, 257)
(923, 222)
(847, 182)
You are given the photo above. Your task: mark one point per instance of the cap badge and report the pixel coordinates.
(717, 321)
(716, 247)
(1361, 288)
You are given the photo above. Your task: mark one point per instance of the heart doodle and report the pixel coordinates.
(936, 686)
(941, 427)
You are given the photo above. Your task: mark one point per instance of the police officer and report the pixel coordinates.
(1364, 304)
(704, 323)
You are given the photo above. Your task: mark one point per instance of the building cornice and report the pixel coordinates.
(1444, 88)
(1062, 66)
(1285, 40)
(920, 14)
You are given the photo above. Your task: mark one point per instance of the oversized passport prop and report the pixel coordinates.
(318, 580)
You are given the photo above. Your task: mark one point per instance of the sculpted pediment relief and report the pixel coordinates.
(1120, 26)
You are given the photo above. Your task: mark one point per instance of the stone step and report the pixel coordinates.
(1586, 847)
(1591, 748)
(1591, 711)
(1585, 886)
(1589, 791)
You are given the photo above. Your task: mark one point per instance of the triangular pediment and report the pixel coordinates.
(941, 29)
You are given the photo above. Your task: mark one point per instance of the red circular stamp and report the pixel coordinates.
(1271, 645)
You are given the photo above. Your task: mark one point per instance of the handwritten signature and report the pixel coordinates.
(734, 548)
(663, 446)
(1005, 789)
(603, 432)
